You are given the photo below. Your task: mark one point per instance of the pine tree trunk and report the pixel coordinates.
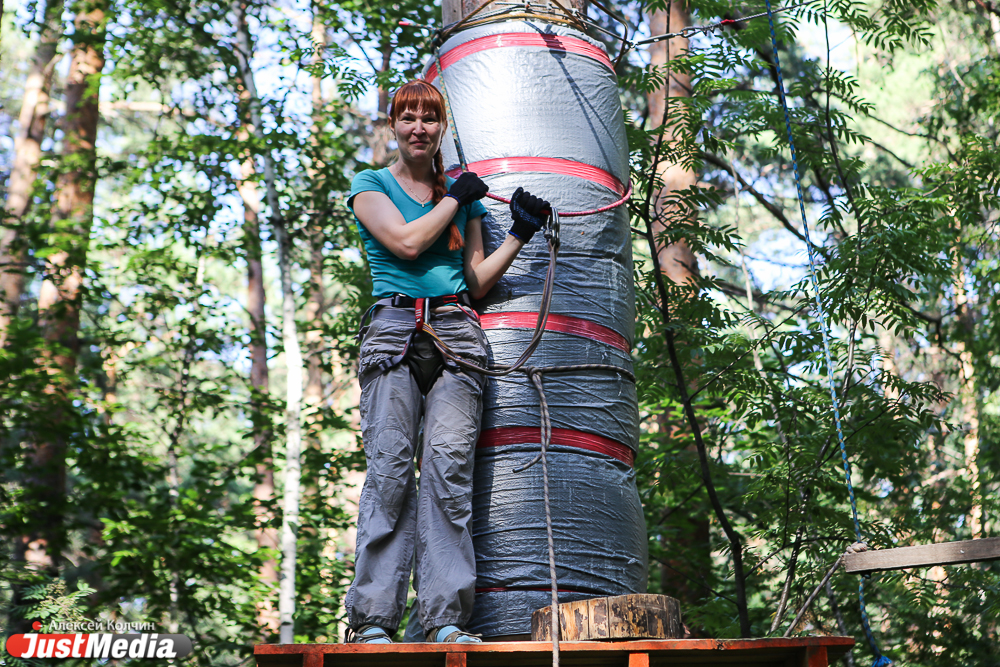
(677, 261)
(263, 492)
(27, 153)
(61, 295)
(290, 343)
(316, 306)
(381, 132)
(680, 265)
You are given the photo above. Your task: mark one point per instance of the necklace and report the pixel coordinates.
(420, 200)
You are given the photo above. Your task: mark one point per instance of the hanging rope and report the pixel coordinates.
(880, 660)
(693, 30)
(534, 373)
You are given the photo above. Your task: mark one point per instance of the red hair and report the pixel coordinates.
(418, 95)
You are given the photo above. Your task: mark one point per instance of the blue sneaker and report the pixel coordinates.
(452, 634)
(369, 634)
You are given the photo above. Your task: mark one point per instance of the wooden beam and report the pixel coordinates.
(772, 652)
(946, 553)
(816, 657)
(638, 660)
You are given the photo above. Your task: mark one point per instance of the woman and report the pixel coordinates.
(423, 236)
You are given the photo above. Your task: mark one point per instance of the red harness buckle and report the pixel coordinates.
(419, 308)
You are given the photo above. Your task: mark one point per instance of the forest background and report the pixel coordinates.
(181, 281)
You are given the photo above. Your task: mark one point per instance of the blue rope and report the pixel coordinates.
(880, 660)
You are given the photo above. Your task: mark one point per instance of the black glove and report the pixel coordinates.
(467, 188)
(529, 213)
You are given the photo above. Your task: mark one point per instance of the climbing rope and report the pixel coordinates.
(880, 660)
(535, 375)
(576, 214)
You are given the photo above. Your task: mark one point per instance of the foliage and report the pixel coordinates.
(53, 602)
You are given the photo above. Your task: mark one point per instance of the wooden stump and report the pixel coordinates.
(612, 618)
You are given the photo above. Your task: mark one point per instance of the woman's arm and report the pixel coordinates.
(404, 240)
(482, 272)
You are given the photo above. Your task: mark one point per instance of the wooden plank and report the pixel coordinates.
(458, 660)
(619, 617)
(946, 553)
(772, 652)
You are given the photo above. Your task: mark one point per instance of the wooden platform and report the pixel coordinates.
(792, 652)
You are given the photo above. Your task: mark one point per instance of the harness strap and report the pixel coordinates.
(422, 308)
(418, 315)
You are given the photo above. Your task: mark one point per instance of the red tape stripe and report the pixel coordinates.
(548, 165)
(561, 323)
(517, 435)
(551, 42)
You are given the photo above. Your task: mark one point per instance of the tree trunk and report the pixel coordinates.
(968, 396)
(27, 153)
(290, 342)
(381, 132)
(263, 492)
(62, 292)
(680, 265)
(316, 306)
(677, 261)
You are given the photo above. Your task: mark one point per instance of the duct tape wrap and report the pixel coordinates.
(536, 106)
(598, 402)
(600, 539)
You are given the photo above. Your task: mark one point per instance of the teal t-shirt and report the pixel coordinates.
(437, 271)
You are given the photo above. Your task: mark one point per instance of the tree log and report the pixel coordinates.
(612, 618)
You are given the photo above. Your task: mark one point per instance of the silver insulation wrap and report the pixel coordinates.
(515, 92)
(597, 525)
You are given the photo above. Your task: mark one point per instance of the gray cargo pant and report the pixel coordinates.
(394, 518)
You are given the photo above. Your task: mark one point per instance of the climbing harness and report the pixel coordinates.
(880, 660)
(421, 314)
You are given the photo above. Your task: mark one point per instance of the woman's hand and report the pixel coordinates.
(529, 213)
(481, 272)
(468, 188)
(404, 240)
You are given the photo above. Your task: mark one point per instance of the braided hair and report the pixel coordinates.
(417, 95)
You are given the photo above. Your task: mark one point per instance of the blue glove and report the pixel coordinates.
(529, 214)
